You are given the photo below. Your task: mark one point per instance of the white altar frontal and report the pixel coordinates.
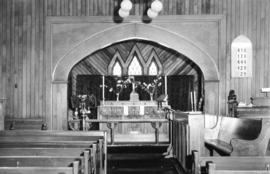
(134, 121)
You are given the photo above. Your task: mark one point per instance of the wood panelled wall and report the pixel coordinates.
(22, 42)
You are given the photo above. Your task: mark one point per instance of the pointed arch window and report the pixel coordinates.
(117, 69)
(135, 67)
(153, 69)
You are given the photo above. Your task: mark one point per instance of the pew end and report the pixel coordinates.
(256, 147)
(237, 137)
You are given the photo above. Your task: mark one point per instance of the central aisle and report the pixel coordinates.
(141, 160)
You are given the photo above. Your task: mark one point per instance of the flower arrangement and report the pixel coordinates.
(83, 101)
(125, 82)
(151, 88)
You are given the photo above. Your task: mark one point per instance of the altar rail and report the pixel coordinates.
(112, 124)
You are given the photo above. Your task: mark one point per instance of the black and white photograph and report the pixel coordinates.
(134, 86)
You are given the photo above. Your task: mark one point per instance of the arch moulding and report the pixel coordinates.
(62, 65)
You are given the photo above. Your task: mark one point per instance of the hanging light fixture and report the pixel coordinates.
(151, 13)
(156, 6)
(126, 6)
(122, 13)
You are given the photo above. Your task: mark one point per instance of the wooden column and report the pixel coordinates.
(58, 119)
(212, 103)
(196, 127)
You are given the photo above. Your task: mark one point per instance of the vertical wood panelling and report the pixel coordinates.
(25, 72)
(1, 48)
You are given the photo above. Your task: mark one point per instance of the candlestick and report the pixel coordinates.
(103, 89)
(191, 100)
(195, 101)
(166, 92)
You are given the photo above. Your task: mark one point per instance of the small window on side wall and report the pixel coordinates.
(241, 57)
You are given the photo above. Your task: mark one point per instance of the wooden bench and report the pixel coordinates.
(95, 140)
(238, 137)
(90, 155)
(41, 161)
(23, 123)
(230, 164)
(73, 169)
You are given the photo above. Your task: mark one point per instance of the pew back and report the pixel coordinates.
(238, 137)
(245, 129)
(39, 161)
(74, 169)
(230, 163)
(212, 169)
(95, 140)
(41, 151)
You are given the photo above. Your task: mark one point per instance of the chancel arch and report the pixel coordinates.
(171, 38)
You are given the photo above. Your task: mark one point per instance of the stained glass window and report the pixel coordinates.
(135, 67)
(153, 70)
(117, 69)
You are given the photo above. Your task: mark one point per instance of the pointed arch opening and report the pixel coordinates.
(153, 69)
(117, 69)
(135, 67)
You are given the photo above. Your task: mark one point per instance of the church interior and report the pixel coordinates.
(134, 86)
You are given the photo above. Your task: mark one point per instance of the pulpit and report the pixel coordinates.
(137, 121)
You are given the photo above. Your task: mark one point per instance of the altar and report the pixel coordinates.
(134, 121)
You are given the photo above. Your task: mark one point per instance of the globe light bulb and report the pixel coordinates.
(157, 6)
(126, 5)
(152, 14)
(123, 13)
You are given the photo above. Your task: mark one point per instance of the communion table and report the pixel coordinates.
(134, 121)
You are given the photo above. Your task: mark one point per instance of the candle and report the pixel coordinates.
(103, 89)
(166, 92)
(191, 100)
(195, 101)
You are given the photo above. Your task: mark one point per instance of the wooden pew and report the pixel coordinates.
(230, 164)
(61, 139)
(27, 151)
(40, 161)
(73, 169)
(212, 169)
(89, 160)
(238, 137)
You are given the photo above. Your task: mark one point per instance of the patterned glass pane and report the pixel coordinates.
(153, 70)
(135, 67)
(117, 70)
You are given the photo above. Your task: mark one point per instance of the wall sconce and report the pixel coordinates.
(152, 12)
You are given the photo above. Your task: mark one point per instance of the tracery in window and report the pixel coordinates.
(117, 69)
(153, 70)
(135, 67)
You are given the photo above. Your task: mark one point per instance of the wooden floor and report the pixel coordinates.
(141, 160)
